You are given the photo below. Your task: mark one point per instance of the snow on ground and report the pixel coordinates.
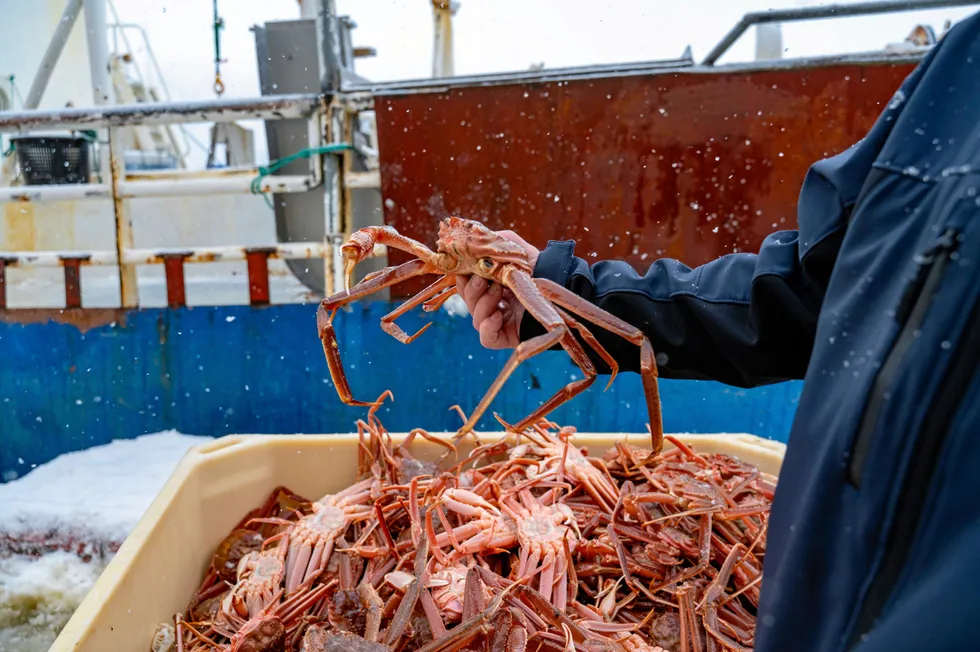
(84, 503)
(38, 596)
(94, 495)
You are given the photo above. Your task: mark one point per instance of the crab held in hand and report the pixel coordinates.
(468, 248)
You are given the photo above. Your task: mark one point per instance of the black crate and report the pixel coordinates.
(53, 160)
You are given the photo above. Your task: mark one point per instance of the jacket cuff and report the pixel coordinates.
(554, 263)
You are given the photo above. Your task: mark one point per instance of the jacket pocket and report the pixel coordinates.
(912, 309)
(915, 486)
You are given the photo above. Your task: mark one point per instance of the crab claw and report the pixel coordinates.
(507, 427)
(358, 247)
(349, 265)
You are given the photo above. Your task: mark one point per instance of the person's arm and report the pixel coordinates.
(743, 319)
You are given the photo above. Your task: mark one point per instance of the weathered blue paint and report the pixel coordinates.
(220, 370)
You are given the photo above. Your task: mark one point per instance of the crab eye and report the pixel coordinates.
(486, 264)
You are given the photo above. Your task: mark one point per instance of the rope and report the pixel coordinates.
(278, 164)
(219, 24)
(15, 92)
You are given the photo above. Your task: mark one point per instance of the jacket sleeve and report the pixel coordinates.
(742, 319)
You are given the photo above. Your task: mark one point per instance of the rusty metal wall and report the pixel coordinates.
(688, 164)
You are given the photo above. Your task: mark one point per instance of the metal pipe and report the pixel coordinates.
(277, 107)
(56, 258)
(442, 41)
(284, 251)
(53, 193)
(824, 11)
(217, 186)
(361, 94)
(331, 67)
(237, 171)
(97, 36)
(55, 47)
(328, 32)
(370, 179)
(128, 285)
(333, 207)
(173, 187)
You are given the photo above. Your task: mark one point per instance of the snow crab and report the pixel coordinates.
(560, 458)
(312, 537)
(259, 577)
(545, 531)
(266, 631)
(488, 530)
(467, 248)
(449, 590)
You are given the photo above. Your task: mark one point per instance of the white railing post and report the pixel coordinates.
(128, 288)
(333, 198)
(97, 36)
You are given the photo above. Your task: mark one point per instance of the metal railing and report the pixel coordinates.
(824, 11)
(323, 125)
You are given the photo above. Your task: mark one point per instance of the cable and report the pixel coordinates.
(278, 164)
(219, 24)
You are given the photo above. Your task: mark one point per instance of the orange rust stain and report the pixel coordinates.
(84, 319)
(20, 229)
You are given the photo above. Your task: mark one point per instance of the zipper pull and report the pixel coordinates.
(924, 261)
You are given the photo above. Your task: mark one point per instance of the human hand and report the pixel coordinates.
(496, 311)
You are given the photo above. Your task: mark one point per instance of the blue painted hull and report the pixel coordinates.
(237, 369)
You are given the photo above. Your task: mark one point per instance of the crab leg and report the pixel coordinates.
(648, 361)
(524, 351)
(572, 389)
(594, 343)
(460, 636)
(520, 283)
(388, 324)
(436, 302)
(328, 307)
(691, 640)
(362, 242)
(580, 358)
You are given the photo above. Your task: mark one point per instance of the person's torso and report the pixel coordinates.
(875, 533)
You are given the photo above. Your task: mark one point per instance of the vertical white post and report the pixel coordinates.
(442, 46)
(328, 33)
(768, 42)
(308, 8)
(97, 36)
(128, 290)
(333, 196)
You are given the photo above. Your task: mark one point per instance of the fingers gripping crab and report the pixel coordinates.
(467, 248)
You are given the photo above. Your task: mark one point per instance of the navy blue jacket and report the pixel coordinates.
(874, 540)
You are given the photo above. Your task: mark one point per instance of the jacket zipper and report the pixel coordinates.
(912, 310)
(915, 487)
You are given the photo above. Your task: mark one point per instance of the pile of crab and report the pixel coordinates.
(526, 544)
